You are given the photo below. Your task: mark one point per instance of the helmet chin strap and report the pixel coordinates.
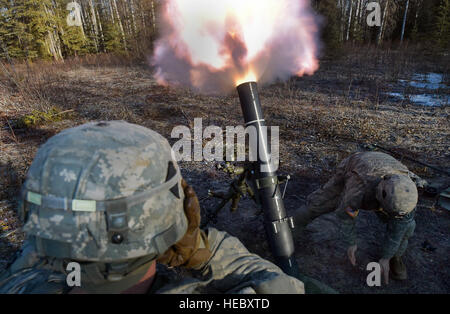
(95, 280)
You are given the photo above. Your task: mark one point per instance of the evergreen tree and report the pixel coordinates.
(442, 26)
(27, 27)
(331, 29)
(73, 38)
(427, 20)
(75, 44)
(3, 30)
(113, 38)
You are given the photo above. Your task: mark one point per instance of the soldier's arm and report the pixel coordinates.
(420, 183)
(26, 257)
(347, 229)
(397, 231)
(348, 209)
(29, 274)
(234, 269)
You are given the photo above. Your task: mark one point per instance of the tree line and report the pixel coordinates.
(57, 29)
(417, 21)
(31, 29)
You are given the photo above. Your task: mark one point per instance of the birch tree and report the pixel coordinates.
(114, 6)
(383, 22)
(349, 19)
(404, 21)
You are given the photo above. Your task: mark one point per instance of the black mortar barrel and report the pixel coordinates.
(277, 224)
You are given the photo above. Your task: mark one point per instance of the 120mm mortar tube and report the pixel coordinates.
(277, 224)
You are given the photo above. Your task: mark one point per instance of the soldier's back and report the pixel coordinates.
(375, 164)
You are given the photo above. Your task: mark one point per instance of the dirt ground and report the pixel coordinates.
(322, 119)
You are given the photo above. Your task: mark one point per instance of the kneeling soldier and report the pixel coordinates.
(371, 181)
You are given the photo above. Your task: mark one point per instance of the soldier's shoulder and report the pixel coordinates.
(224, 240)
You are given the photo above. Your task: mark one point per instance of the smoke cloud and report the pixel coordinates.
(210, 45)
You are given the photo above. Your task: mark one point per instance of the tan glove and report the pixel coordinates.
(187, 251)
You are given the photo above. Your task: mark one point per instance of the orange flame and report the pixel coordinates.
(250, 76)
(215, 45)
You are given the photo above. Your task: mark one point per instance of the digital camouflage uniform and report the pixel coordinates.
(353, 187)
(231, 269)
(110, 196)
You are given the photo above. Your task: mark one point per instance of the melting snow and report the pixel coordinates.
(429, 82)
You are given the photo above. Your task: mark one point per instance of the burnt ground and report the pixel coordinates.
(322, 119)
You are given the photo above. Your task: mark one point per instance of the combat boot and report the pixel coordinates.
(398, 268)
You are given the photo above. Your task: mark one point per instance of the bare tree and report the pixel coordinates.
(349, 19)
(52, 40)
(152, 2)
(120, 23)
(383, 22)
(100, 27)
(404, 20)
(358, 16)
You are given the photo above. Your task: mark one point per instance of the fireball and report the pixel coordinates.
(213, 46)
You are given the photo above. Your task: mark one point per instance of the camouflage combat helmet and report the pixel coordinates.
(104, 192)
(397, 194)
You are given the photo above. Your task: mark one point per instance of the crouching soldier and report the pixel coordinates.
(110, 197)
(371, 181)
